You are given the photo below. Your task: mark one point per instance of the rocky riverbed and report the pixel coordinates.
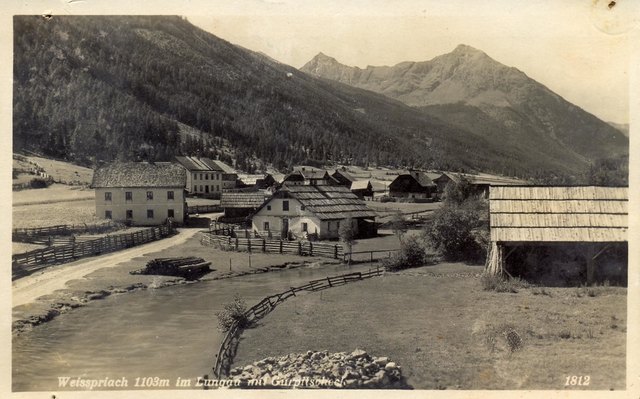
(355, 370)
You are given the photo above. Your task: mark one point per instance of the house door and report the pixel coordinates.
(285, 228)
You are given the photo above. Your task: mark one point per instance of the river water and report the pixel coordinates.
(166, 333)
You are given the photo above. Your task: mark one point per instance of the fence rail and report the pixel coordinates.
(26, 263)
(229, 345)
(302, 248)
(367, 256)
(30, 234)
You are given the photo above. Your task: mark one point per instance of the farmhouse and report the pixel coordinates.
(255, 181)
(481, 182)
(363, 189)
(240, 205)
(207, 177)
(415, 184)
(343, 178)
(142, 194)
(303, 210)
(559, 235)
(313, 177)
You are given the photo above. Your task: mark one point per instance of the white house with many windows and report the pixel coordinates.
(207, 177)
(142, 194)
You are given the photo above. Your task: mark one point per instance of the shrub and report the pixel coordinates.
(411, 254)
(452, 234)
(233, 312)
(491, 282)
(40, 183)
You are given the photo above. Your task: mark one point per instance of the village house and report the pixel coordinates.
(305, 175)
(363, 189)
(415, 184)
(343, 178)
(480, 182)
(139, 193)
(318, 211)
(239, 206)
(207, 177)
(559, 235)
(255, 181)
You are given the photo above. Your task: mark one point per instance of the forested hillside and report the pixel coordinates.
(99, 88)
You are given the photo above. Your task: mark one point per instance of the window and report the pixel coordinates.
(128, 196)
(266, 226)
(149, 213)
(268, 207)
(169, 195)
(201, 189)
(107, 196)
(195, 176)
(206, 176)
(217, 187)
(302, 207)
(149, 195)
(129, 214)
(285, 205)
(201, 176)
(338, 225)
(305, 227)
(195, 188)
(170, 213)
(107, 215)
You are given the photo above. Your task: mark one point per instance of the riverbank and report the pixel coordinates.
(448, 333)
(57, 290)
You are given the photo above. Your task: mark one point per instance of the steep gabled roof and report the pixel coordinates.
(140, 174)
(558, 214)
(344, 174)
(409, 184)
(482, 179)
(360, 185)
(329, 202)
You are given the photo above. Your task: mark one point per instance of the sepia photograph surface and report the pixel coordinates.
(318, 198)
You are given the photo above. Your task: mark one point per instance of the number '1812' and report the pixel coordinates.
(577, 380)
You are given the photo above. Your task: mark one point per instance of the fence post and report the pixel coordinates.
(310, 248)
(280, 246)
(329, 281)
(335, 252)
(237, 244)
(249, 244)
(300, 248)
(371, 256)
(264, 245)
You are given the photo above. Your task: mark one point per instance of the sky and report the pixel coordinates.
(579, 49)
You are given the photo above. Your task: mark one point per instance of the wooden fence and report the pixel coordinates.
(367, 256)
(229, 345)
(23, 264)
(37, 234)
(302, 248)
(191, 210)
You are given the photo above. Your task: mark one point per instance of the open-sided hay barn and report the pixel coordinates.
(572, 234)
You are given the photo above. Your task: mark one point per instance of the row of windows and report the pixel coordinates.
(128, 195)
(204, 189)
(205, 176)
(150, 214)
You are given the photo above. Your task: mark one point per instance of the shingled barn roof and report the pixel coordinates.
(251, 200)
(139, 174)
(558, 214)
(195, 164)
(330, 202)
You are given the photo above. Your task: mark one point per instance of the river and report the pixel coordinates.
(166, 333)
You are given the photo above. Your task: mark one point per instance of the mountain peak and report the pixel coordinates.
(464, 49)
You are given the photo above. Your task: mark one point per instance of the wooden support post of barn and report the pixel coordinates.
(495, 261)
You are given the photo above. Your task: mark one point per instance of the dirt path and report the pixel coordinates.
(28, 289)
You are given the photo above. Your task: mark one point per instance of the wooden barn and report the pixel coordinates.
(415, 184)
(240, 205)
(559, 235)
(363, 189)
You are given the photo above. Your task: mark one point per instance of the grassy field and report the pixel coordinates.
(41, 215)
(51, 194)
(64, 171)
(446, 332)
